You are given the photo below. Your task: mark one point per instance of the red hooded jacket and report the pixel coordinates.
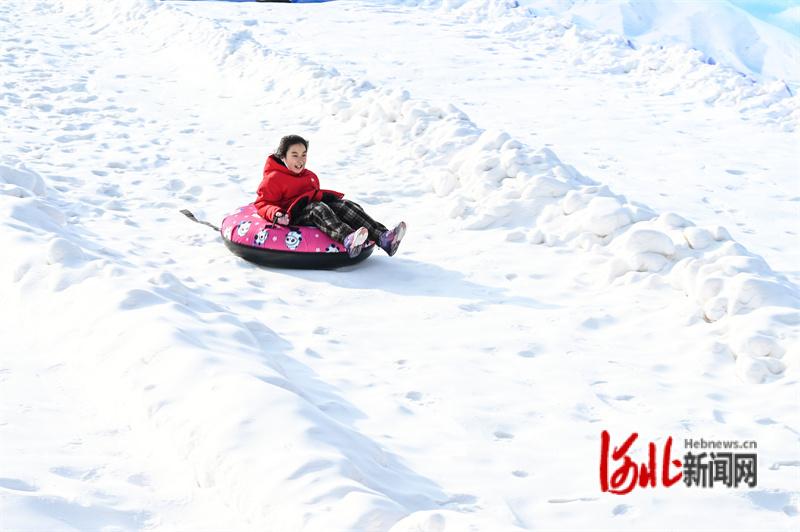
(281, 190)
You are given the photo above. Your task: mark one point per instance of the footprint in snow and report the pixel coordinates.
(75, 473)
(530, 352)
(16, 484)
(175, 185)
(598, 323)
(73, 137)
(76, 111)
(766, 421)
(310, 352)
(585, 413)
(83, 126)
(620, 509)
(502, 435)
(109, 189)
(608, 399)
(139, 479)
(776, 501)
(191, 193)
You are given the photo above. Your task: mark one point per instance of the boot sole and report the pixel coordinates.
(358, 242)
(401, 232)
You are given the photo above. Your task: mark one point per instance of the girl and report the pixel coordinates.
(290, 192)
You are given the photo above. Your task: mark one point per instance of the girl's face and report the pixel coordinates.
(296, 158)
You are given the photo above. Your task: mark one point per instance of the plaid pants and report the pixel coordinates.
(338, 218)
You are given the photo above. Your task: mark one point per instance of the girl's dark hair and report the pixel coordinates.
(287, 142)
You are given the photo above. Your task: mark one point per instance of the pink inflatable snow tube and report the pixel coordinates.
(253, 238)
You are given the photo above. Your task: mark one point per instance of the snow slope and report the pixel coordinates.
(781, 13)
(722, 31)
(157, 382)
(789, 19)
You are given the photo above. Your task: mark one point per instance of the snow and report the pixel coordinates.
(601, 237)
(790, 17)
(721, 31)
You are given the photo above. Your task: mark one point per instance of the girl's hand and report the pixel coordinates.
(282, 218)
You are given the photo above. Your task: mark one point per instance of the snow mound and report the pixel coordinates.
(728, 284)
(45, 247)
(21, 182)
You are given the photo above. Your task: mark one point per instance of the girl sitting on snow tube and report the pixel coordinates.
(290, 193)
(253, 238)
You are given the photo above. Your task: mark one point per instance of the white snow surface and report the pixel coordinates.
(788, 18)
(721, 31)
(601, 237)
(725, 33)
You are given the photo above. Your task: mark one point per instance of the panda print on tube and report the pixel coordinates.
(243, 228)
(332, 249)
(261, 237)
(293, 239)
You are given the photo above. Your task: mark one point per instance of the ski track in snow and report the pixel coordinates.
(167, 379)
